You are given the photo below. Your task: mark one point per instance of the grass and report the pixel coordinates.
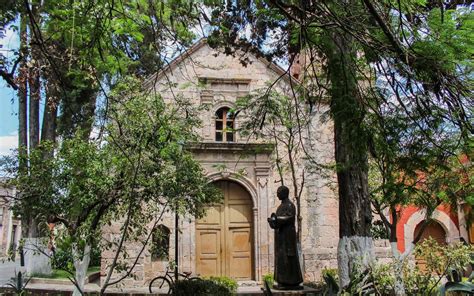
(62, 274)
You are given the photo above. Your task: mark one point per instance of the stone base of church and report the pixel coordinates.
(304, 290)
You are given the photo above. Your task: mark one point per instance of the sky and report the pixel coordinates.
(8, 101)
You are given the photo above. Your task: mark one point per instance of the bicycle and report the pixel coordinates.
(164, 284)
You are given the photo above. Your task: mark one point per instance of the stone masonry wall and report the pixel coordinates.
(205, 79)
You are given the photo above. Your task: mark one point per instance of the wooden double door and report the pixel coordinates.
(224, 237)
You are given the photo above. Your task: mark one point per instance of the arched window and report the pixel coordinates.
(160, 243)
(224, 125)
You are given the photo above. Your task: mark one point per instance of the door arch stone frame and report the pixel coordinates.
(442, 218)
(251, 189)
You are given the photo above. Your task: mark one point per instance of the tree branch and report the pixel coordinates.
(8, 77)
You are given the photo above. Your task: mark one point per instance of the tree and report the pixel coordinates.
(422, 49)
(409, 43)
(71, 54)
(272, 116)
(347, 113)
(409, 170)
(87, 184)
(7, 68)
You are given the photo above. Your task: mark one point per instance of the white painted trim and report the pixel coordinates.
(352, 251)
(452, 233)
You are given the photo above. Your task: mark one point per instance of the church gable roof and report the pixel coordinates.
(284, 74)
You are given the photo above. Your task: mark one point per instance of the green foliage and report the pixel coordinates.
(379, 279)
(144, 149)
(330, 277)
(8, 12)
(228, 283)
(456, 287)
(215, 286)
(141, 160)
(81, 48)
(400, 84)
(438, 261)
(18, 283)
(63, 258)
(332, 272)
(378, 230)
(64, 274)
(269, 279)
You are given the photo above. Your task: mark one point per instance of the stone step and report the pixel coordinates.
(257, 290)
(247, 283)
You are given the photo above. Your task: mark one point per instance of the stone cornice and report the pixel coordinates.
(244, 148)
(217, 80)
(262, 171)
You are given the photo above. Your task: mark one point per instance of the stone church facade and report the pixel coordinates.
(234, 238)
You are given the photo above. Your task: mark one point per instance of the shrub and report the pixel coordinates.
(63, 260)
(204, 287)
(95, 256)
(329, 272)
(224, 281)
(439, 261)
(330, 277)
(268, 278)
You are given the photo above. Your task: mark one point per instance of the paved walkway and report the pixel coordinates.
(143, 290)
(7, 270)
(91, 288)
(94, 287)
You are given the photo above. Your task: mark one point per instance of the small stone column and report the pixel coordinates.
(207, 98)
(264, 240)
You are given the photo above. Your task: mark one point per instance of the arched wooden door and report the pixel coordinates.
(433, 230)
(224, 236)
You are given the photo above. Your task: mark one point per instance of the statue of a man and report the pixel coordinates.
(287, 266)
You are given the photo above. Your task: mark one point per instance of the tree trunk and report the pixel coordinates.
(35, 96)
(35, 249)
(81, 264)
(36, 256)
(399, 259)
(89, 110)
(50, 113)
(355, 245)
(22, 117)
(33, 125)
(22, 98)
(399, 286)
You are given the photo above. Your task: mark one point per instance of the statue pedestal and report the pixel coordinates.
(288, 288)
